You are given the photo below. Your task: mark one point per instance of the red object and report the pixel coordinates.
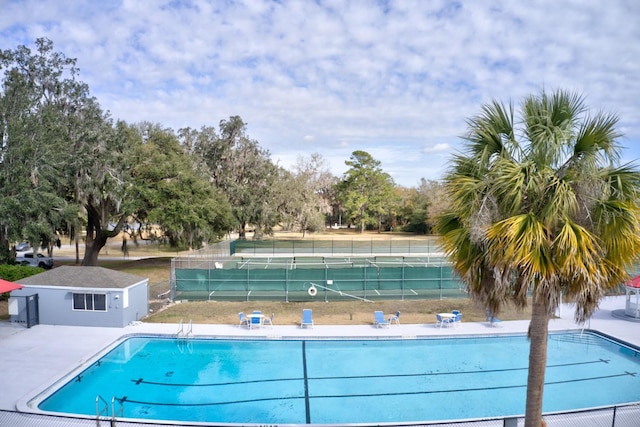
(633, 283)
(6, 286)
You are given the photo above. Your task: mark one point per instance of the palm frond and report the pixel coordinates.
(491, 133)
(623, 181)
(558, 201)
(465, 254)
(577, 251)
(618, 224)
(598, 135)
(549, 125)
(509, 184)
(521, 240)
(566, 107)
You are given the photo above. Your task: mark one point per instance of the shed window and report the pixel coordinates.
(90, 302)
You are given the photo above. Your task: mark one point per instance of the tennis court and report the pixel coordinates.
(337, 278)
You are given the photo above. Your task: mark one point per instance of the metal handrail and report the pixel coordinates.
(104, 411)
(180, 332)
(189, 333)
(162, 295)
(120, 411)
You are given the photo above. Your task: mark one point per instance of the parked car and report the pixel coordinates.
(37, 261)
(23, 246)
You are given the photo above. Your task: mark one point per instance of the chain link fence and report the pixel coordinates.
(352, 247)
(615, 416)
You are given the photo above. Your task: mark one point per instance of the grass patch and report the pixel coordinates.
(331, 313)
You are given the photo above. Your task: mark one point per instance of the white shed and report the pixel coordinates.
(82, 296)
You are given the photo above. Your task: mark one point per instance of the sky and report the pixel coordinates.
(397, 79)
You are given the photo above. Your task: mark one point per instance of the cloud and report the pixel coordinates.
(437, 148)
(397, 79)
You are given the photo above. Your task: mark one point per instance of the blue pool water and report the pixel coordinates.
(339, 381)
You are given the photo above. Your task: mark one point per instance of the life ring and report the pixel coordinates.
(312, 291)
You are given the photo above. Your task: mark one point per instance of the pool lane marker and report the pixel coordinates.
(306, 378)
(163, 384)
(385, 394)
(307, 410)
(483, 389)
(125, 399)
(399, 393)
(480, 371)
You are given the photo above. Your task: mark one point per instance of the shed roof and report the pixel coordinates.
(82, 277)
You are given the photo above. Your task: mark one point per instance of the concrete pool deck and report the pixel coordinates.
(33, 359)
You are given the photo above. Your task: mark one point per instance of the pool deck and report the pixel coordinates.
(33, 359)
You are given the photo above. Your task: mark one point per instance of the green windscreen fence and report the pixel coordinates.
(290, 278)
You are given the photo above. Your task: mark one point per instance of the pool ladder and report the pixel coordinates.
(102, 412)
(182, 338)
(181, 333)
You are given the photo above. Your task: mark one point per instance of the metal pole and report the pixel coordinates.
(27, 299)
(286, 283)
(613, 421)
(326, 280)
(440, 281)
(403, 276)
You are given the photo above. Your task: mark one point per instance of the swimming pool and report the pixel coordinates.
(345, 381)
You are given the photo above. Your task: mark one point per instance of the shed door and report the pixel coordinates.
(33, 314)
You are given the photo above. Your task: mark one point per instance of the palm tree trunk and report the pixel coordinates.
(538, 334)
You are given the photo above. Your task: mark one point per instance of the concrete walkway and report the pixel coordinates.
(33, 359)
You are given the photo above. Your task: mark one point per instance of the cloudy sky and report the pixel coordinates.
(397, 79)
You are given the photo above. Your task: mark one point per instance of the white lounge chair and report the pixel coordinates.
(494, 322)
(395, 318)
(458, 319)
(444, 320)
(268, 320)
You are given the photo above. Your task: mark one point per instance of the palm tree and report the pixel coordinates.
(541, 208)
